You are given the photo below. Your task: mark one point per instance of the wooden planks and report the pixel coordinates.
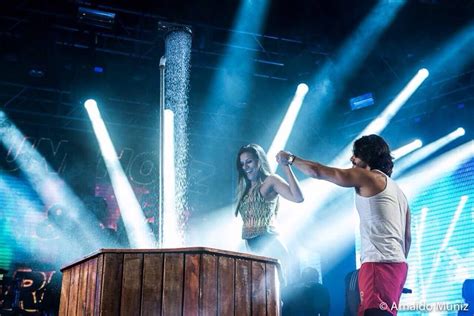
(91, 286)
(81, 297)
(225, 286)
(243, 286)
(65, 289)
(98, 284)
(73, 290)
(173, 284)
(154, 282)
(272, 289)
(209, 285)
(111, 284)
(191, 284)
(131, 284)
(259, 297)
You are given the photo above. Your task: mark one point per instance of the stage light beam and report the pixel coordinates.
(421, 154)
(232, 79)
(139, 234)
(447, 238)
(422, 176)
(286, 126)
(334, 74)
(384, 118)
(51, 189)
(405, 150)
(455, 53)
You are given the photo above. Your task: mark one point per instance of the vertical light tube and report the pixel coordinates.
(171, 230)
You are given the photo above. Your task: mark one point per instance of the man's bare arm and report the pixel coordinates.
(353, 177)
(408, 233)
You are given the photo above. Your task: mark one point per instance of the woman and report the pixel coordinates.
(257, 201)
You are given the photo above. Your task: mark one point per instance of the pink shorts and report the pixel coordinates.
(381, 285)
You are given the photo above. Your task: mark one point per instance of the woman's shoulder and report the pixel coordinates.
(267, 187)
(272, 178)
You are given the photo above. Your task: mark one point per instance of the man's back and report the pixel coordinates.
(383, 220)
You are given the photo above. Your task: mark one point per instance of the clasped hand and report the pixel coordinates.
(282, 157)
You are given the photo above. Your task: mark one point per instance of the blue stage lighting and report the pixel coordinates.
(98, 69)
(362, 101)
(96, 18)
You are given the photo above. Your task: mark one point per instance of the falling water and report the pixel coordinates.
(178, 56)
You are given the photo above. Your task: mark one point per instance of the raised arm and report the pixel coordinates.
(353, 177)
(291, 190)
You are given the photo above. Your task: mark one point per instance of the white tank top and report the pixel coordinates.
(382, 224)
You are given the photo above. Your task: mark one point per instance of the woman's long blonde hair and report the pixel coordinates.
(243, 184)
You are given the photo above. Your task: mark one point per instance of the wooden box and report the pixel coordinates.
(185, 281)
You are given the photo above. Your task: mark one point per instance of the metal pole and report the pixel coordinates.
(159, 225)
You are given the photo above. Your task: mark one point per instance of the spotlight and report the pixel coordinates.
(90, 104)
(302, 89)
(459, 132)
(423, 73)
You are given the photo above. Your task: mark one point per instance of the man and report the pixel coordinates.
(384, 220)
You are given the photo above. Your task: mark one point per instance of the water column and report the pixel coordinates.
(176, 85)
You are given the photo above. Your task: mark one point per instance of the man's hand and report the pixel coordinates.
(282, 157)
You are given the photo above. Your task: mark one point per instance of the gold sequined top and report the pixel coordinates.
(257, 213)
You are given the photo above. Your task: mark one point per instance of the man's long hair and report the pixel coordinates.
(374, 151)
